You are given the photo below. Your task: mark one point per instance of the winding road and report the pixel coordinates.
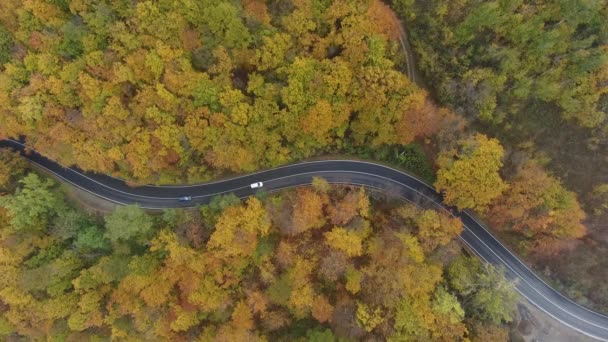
(391, 181)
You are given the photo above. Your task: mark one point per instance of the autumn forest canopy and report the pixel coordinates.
(169, 91)
(185, 91)
(314, 264)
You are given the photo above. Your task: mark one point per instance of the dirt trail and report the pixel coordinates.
(410, 58)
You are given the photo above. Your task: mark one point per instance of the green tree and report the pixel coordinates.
(127, 223)
(320, 335)
(447, 304)
(499, 81)
(6, 44)
(91, 238)
(33, 205)
(489, 296)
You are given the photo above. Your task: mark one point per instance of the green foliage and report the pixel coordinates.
(408, 324)
(550, 51)
(69, 222)
(205, 93)
(410, 157)
(488, 295)
(6, 328)
(447, 304)
(320, 335)
(226, 26)
(353, 280)
(33, 205)
(71, 45)
(91, 238)
(6, 44)
(128, 223)
(248, 281)
(280, 291)
(367, 318)
(221, 202)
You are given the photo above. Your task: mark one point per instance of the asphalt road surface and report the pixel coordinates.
(392, 182)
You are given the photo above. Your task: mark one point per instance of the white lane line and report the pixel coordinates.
(373, 175)
(231, 178)
(526, 266)
(499, 257)
(470, 246)
(480, 240)
(322, 162)
(531, 301)
(76, 185)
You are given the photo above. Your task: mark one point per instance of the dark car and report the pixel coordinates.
(185, 198)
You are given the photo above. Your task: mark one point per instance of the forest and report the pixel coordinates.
(152, 92)
(535, 75)
(513, 127)
(322, 263)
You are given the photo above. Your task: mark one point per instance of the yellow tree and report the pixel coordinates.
(469, 177)
(307, 211)
(346, 241)
(437, 228)
(238, 229)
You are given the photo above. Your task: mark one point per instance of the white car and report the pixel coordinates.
(257, 185)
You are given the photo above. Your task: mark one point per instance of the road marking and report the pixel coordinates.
(373, 176)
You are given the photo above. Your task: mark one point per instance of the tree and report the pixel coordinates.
(322, 310)
(447, 304)
(272, 53)
(488, 332)
(301, 298)
(33, 205)
(344, 210)
(520, 70)
(307, 211)
(318, 335)
(385, 20)
(258, 10)
(538, 207)
(127, 223)
(353, 280)
(600, 194)
(368, 318)
(346, 241)
(6, 44)
(238, 229)
(437, 228)
(468, 177)
(320, 185)
(489, 296)
(12, 167)
(91, 238)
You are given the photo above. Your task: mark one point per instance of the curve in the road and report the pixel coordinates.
(371, 175)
